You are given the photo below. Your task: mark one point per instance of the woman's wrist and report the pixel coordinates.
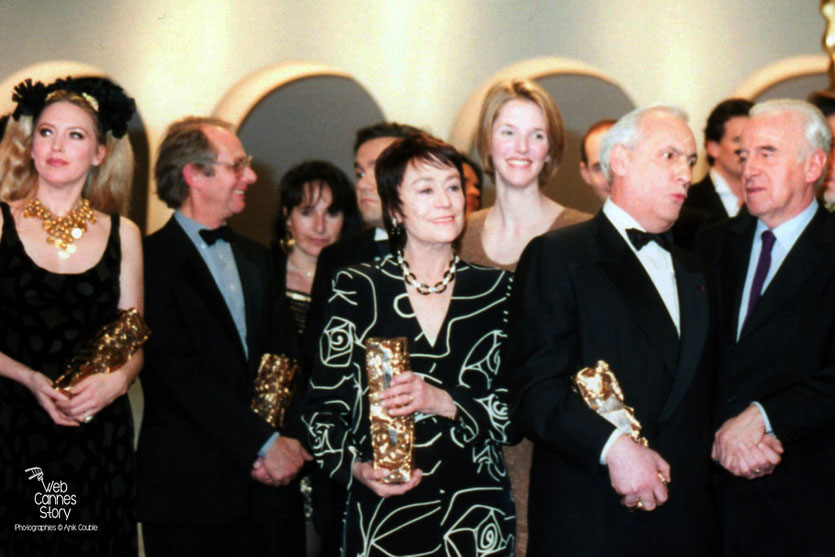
(449, 409)
(124, 380)
(26, 376)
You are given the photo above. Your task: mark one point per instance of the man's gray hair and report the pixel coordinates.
(627, 131)
(815, 127)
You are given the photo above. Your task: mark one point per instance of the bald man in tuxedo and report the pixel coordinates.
(616, 289)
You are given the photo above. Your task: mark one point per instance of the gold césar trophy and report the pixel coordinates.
(392, 437)
(601, 392)
(107, 351)
(274, 388)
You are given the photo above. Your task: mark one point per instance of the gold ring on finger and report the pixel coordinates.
(757, 470)
(88, 418)
(639, 504)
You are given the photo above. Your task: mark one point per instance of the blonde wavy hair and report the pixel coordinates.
(501, 93)
(108, 184)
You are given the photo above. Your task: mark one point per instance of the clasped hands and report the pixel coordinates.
(408, 393)
(282, 462)
(89, 396)
(743, 448)
(638, 473)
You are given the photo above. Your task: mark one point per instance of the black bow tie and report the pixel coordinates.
(211, 236)
(639, 238)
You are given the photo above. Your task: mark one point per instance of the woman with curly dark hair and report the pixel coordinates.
(317, 206)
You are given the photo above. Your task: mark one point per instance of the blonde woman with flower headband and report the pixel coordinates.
(68, 263)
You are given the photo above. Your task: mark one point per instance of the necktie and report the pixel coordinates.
(639, 238)
(211, 236)
(761, 272)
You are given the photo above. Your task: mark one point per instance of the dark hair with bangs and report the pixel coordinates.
(719, 116)
(382, 129)
(318, 173)
(391, 167)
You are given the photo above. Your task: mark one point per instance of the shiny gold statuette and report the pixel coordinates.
(391, 436)
(107, 351)
(601, 391)
(274, 388)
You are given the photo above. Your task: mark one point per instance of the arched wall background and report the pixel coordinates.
(419, 60)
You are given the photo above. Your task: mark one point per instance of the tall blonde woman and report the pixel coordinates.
(68, 262)
(520, 141)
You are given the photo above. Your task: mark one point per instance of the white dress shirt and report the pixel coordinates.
(728, 198)
(657, 261)
(658, 264)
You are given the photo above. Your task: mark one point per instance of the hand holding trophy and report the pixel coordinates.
(637, 472)
(108, 350)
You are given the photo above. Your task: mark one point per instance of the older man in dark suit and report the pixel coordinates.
(776, 384)
(614, 289)
(214, 311)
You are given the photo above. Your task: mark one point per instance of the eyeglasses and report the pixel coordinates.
(238, 166)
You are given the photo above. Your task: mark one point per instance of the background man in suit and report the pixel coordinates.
(825, 102)
(590, 169)
(213, 310)
(776, 382)
(373, 242)
(719, 194)
(609, 289)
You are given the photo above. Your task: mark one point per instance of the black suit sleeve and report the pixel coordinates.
(543, 354)
(285, 340)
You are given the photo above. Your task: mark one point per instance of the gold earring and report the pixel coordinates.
(287, 242)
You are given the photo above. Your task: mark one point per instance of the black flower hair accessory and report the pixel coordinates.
(114, 107)
(30, 98)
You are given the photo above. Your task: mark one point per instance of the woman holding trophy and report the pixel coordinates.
(402, 407)
(68, 263)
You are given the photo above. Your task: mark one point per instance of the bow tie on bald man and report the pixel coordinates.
(211, 236)
(639, 238)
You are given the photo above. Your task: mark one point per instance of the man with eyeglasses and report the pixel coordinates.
(212, 476)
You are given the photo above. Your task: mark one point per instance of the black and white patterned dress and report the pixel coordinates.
(463, 504)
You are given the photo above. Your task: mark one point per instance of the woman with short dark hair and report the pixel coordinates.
(457, 500)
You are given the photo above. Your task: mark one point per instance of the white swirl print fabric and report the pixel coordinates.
(463, 505)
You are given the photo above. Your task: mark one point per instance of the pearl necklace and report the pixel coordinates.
(423, 288)
(61, 231)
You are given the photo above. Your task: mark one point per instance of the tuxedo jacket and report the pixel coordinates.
(581, 295)
(785, 360)
(199, 437)
(702, 207)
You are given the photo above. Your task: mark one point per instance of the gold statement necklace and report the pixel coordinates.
(62, 231)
